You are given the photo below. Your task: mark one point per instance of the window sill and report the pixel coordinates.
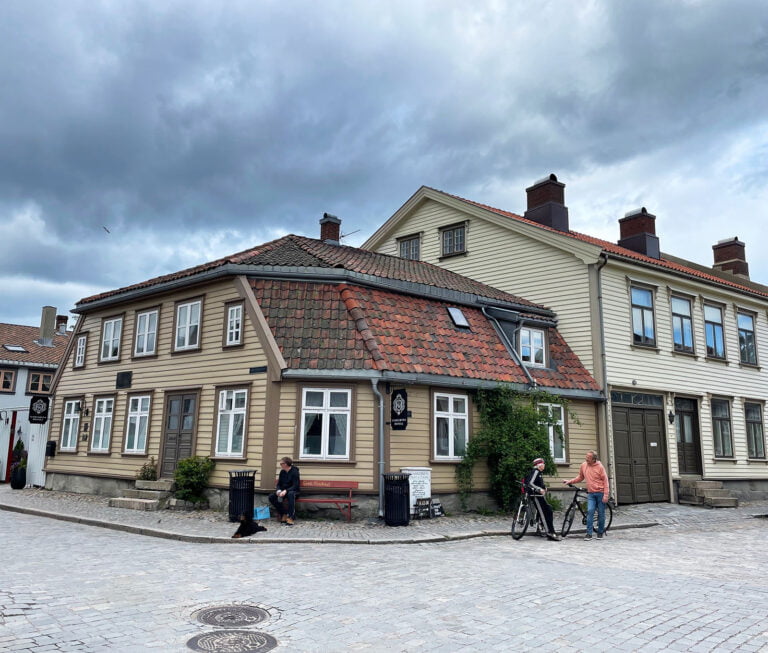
(750, 366)
(687, 354)
(757, 461)
(228, 459)
(652, 348)
(725, 460)
(66, 451)
(562, 463)
(714, 359)
(445, 461)
(191, 350)
(319, 461)
(140, 357)
(109, 362)
(453, 255)
(134, 454)
(238, 345)
(98, 453)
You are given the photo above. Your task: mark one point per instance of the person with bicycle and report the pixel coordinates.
(534, 485)
(593, 472)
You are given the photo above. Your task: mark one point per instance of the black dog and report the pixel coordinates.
(247, 527)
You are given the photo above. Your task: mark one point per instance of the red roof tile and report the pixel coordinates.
(25, 336)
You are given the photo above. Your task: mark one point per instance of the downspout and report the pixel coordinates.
(604, 444)
(380, 397)
(510, 346)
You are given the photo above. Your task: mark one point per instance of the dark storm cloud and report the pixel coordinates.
(168, 121)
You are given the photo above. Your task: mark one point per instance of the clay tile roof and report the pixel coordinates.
(302, 252)
(25, 336)
(345, 326)
(666, 261)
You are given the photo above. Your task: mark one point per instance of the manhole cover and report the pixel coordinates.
(232, 641)
(232, 616)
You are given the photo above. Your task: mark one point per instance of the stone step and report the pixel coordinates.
(690, 500)
(688, 483)
(164, 485)
(722, 502)
(146, 494)
(711, 494)
(134, 504)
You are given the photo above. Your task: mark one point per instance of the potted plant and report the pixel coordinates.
(19, 466)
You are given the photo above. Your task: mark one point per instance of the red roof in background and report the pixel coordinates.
(298, 251)
(25, 336)
(675, 265)
(346, 326)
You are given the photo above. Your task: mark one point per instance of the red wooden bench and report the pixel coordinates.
(344, 504)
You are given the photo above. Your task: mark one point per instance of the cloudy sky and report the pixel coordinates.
(138, 138)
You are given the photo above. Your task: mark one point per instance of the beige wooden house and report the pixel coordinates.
(295, 348)
(678, 348)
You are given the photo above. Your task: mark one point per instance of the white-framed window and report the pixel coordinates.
(643, 327)
(325, 423)
(80, 351)
(682, 324)
(137, 424)
(713, 330)
(146, 334)
(102, 423)
(554, 416)
(753, 415)
(234, 325)
(721, 428)
(230, 432)
(409, 248)
(111, 330)
(451, 427)
(532, 346)
(188, 325)
(747, 347)
(70, 425)
(453, 240)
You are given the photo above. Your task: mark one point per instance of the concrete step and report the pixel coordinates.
(134, 504)
(164, 485)
(146, 494)
(711, 494)
(690, 500)
(688, 483)
(722, 502)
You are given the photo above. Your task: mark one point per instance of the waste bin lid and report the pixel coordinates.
(242, 472)
(392, 476)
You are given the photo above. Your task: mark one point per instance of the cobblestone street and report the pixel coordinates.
(695, 582)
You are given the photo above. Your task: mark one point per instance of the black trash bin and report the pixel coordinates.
(397, 499)
(241, 482)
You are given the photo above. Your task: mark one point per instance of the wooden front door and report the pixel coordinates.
(688, 439)
(640, 454)
(178, 431)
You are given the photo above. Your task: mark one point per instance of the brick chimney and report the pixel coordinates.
(546, 203)
(47, 326)
(330, 229)
(730, 257)
(61, 324)
(638, 233)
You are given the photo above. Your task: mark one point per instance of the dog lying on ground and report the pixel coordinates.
(247, 527)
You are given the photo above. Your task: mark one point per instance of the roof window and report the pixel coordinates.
(459, 319)
(16, 348)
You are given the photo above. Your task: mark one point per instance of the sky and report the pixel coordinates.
(140, 138)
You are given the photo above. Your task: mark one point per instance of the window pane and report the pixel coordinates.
(719, 408)
(681, 306)
(223, 436)
(713, 314)
(238, 429)
(442, 444)
(459, 405)
(314, 399)
(441, 403)
(642, 297)
(337, 435)
(339, 399)
(313, 431)
(459, 437)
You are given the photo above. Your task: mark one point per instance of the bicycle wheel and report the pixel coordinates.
(570, 514)
(520, 519)
(608, 518)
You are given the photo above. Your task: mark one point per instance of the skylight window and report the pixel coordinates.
(459, 319)
(16, 348)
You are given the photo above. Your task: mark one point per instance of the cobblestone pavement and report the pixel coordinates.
(696, 582)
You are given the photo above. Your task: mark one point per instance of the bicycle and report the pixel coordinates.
(579, 503)
(524, 514)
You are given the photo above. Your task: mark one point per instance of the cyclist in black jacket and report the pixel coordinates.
(534, 485)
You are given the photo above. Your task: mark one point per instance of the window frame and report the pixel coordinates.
(99, 417)
(78, 360)
(228, 307)
(450, 415)
(221, 393)
(452, 229)
(138, 414)
(648, 343)
(752, 452)
(752, 316)
(717, 428)
(136, 335)
(177, 309)
(721, 325)
(73, 419)
(408, 242)
(544, 346)
(326, 410)
(102, 340)
(42, 373)
(681, 348)
(4, 372)
(551, 429)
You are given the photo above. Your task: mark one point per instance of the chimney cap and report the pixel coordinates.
(546, 180)
(641, 211)
(729, 241)
(328, 217)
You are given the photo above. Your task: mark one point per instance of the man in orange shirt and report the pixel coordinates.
(597, 492)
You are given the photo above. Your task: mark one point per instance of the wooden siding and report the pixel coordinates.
(661, 371)
(202, 370)
(513, 262)
(581, 437)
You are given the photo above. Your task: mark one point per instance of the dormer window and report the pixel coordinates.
(410, 247)
(453, 239)
(532, 347)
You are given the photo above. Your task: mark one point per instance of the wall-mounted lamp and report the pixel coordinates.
(671, 417)
(86, 412)
(83, 410)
